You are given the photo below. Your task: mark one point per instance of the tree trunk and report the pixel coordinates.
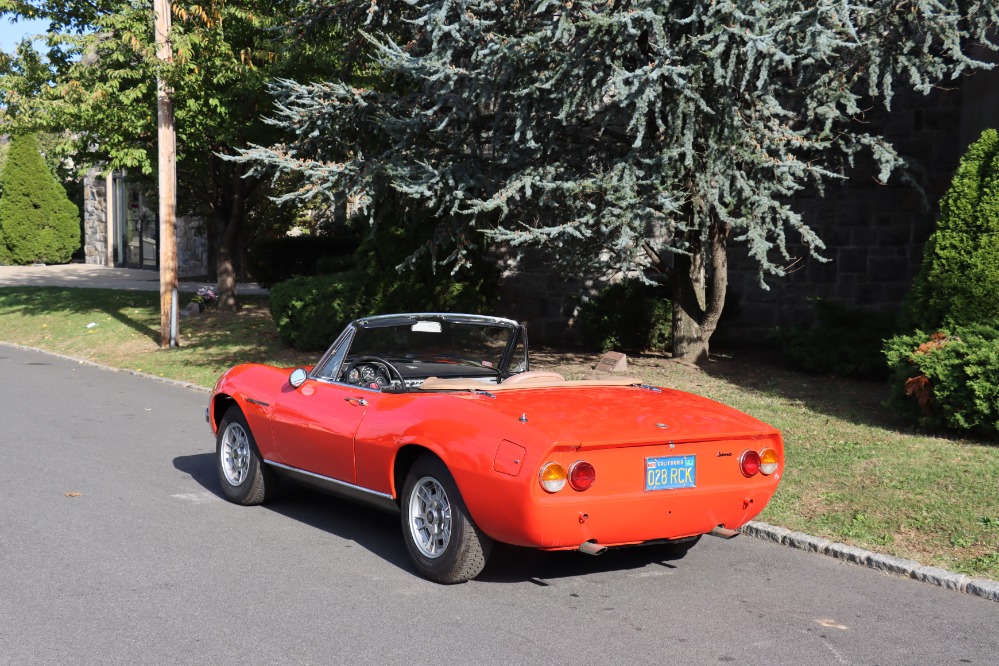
(696, 309)
(228, 230)
(688, 304)
(225, 265)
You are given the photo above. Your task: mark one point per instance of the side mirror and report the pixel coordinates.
(298, 377)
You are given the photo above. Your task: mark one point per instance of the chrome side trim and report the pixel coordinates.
(258, 402)
(339, 488)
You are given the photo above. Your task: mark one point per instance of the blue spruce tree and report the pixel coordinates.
(617, 130)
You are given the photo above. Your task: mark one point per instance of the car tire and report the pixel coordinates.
(444, 543)
(244, 477)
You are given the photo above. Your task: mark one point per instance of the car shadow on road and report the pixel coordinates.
(510, 564)
(379, 532)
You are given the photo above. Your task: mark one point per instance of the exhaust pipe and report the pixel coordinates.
(724, 532)
(592, 548)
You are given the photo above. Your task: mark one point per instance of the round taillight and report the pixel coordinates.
(750, 463)
(768, 461)
(552, 477)
(581, 475)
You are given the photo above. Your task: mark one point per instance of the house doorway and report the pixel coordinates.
(136, 227)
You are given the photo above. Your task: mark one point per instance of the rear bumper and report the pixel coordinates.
(558, 523)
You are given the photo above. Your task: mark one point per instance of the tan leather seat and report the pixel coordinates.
(534, 377)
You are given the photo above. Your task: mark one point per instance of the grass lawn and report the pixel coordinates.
(854, 474)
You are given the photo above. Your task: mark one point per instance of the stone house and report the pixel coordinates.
(121, 227)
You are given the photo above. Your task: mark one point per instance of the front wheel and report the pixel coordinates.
(443, 542)
(244, 477)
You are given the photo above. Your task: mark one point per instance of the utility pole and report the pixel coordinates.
(167, 137)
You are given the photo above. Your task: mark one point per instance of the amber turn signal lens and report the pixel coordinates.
(552, 477)
(749, 463)
(768, 461)
(581, 475)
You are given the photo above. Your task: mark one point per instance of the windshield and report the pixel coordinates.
(472, 345)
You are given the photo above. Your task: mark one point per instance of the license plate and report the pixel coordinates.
(670, 472)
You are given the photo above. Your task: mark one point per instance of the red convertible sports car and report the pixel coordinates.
(439, 417)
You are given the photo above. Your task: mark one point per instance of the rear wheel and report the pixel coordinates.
(443, 542)
(244, 477)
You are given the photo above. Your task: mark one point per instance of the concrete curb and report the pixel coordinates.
(987, 589)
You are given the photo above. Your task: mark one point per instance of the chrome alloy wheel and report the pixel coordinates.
(430, 517)
(235, 454)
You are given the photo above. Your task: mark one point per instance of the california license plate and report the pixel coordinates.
(670, 472)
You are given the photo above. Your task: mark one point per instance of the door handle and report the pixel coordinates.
(357, 402)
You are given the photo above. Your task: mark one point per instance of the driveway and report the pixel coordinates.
(92, 276)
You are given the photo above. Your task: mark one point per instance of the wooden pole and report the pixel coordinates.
(167, 138)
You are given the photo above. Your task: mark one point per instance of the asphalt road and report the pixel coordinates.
(115, 548)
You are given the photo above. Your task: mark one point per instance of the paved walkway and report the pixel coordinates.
(101, 277)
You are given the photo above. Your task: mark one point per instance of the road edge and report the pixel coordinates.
(979, 587)
(102, 366)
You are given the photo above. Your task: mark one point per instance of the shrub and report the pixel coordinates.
(844, 341)
(38, 221)
(274, 260)
(393, 282)
(629, 315)
(947, 378)
(310, 310)
(958, 283)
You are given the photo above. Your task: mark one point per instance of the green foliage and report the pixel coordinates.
(948, 379)
(310, 311)
(844, 341)
(38, 221)
(3, 161)
(393, 281)
(95, 88)
(274, 260)
(958, 283)
(588, 127)
(629, 316)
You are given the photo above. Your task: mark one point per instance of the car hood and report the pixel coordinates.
(599, 417)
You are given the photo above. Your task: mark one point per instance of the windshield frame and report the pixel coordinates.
(341, 350)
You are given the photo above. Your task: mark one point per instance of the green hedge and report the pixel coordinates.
(958, 283)
(947, 379)
(844, 341)
(629, 316)
(38, 222)
(310, 310)
(274, 260)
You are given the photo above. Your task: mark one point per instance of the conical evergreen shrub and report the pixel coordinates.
(958, 283)
(38, 222)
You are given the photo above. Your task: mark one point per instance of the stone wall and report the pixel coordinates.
(874, 233)
(95, 214)
(530, 292)
(192, 248)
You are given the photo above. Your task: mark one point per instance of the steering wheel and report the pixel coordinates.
(391, 371)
